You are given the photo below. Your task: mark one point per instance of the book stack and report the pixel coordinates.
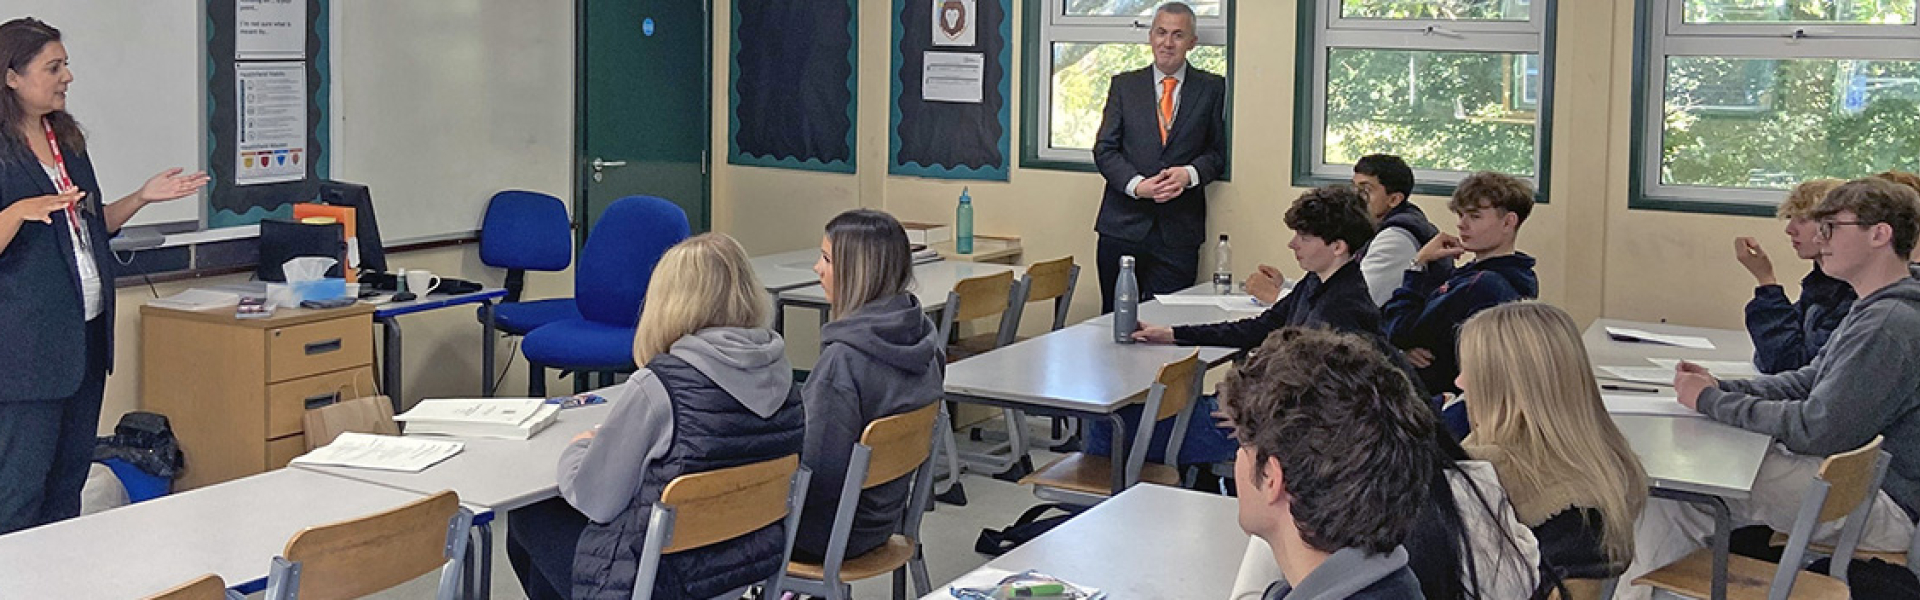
(381, 452)
(927, 234)
(500, 418)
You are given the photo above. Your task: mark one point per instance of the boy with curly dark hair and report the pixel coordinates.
(1335, 456)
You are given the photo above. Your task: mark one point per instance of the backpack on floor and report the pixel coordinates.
(1030, 525)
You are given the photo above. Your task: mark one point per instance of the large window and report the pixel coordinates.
(1742, 99)
(1452, 86)
(1080, 45)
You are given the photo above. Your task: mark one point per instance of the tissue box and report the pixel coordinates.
(318, 289)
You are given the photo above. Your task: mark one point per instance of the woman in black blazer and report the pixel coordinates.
(56, 281)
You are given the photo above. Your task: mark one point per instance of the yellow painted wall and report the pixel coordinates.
(1597, 258)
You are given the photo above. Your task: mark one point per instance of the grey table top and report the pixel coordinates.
(1688, 454)
(233, 529)
(787, 270)
(931, 282)
(1150, 541)
(1075, 368)
(1160, 313)
(490, 474)
(1695, 455)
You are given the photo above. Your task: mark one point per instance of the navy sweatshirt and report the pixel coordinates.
(1786, 335)
(1427, 310)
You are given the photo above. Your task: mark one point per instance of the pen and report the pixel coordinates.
(1627, 388)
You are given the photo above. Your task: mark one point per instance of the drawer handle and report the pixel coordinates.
(332, 345)
(322, 400)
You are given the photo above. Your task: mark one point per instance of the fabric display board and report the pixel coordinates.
(951, 82)
(791, 93)
(267, 93)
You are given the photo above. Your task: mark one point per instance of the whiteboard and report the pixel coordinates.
(439, 104)
(137, 90)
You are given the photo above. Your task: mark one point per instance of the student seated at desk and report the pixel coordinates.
(1435, 298)
(1328, 223)
(714, 391)
(1786, 334)
(1538, 418)
(1865, 383)
(1336, 447)
(880, 356)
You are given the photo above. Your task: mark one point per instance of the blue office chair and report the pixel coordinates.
(527, 231)
(609, 284)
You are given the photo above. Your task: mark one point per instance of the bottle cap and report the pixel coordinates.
(1223, 237)
(1126, 261)
(964, 198)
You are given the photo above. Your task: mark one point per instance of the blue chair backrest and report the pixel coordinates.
(526, 230)
(622, 248)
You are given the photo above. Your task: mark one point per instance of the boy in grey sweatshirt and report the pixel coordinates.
(1865, 382)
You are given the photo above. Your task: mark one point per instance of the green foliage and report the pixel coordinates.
(1081, 73)
(1774, 123)
(1455, 111)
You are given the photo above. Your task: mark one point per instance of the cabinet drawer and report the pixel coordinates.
(303, 350)
(288, 401)
(284, 450)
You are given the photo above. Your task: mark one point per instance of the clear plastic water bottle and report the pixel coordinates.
(963, 224)
(1223, 267)
(1126, 303)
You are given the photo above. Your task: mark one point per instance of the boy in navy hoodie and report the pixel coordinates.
(1434, 298)
(1333, 447)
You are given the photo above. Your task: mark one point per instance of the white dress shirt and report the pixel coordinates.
(82, 255)
(1159, 89)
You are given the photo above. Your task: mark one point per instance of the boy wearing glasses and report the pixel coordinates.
(1865, 382)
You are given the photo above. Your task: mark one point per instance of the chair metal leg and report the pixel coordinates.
(536, 380)
(900, 583)
(917, 566)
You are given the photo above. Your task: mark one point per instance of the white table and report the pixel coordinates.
(1073, 372)
(491, 476)
(1150, 541)
(931, 283)
(787, 270)
(232, 529)
(1689, 459)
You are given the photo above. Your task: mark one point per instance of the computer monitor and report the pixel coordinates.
(373, 257)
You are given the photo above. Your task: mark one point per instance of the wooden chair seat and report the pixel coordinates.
(1580, 589)
(1090, 474)
(876, 562)
(1898, 558)
(1746, 578)
(968, 347)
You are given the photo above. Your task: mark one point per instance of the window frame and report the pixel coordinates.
(1323, 28)
(1662, 33)
(1045, 24)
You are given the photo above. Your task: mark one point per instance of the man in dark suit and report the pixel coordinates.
(1162, 139)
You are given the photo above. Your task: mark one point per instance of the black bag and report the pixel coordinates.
(1030, 525)
(1876, 579)
(146, 441)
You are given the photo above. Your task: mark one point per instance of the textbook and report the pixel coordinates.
(383, 452)
(504, 418)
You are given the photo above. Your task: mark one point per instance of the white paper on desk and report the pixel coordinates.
(1657, 406)
(1654, 375)
(382, 452)
(986, 577)
(197, 299)
(1727, 369)
(492, 411)
(1223, 302)
(1637, 335)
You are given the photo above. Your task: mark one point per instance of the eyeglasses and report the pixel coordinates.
(1826, 227)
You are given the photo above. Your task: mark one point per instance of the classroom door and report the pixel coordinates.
(643, 120)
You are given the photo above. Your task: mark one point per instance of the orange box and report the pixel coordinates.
(343, 214)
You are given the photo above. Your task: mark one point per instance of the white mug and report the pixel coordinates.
(421, 281)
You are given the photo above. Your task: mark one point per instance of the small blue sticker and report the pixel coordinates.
(646, 27)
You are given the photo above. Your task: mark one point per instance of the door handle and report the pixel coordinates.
(600, 166)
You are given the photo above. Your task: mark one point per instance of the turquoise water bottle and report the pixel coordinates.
(963, 224)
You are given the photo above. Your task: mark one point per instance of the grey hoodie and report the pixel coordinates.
(602, 475)
(884, 359)
(1353, 573)
(1865, 382)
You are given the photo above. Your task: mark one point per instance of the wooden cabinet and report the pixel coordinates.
(235, 389)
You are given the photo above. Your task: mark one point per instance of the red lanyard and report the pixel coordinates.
(65, 182)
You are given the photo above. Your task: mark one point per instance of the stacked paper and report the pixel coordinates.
(503, 418)
(383, 452)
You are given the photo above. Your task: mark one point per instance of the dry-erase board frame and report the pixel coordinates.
(231, 205)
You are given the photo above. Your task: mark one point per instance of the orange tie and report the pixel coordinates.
(1166, 106)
